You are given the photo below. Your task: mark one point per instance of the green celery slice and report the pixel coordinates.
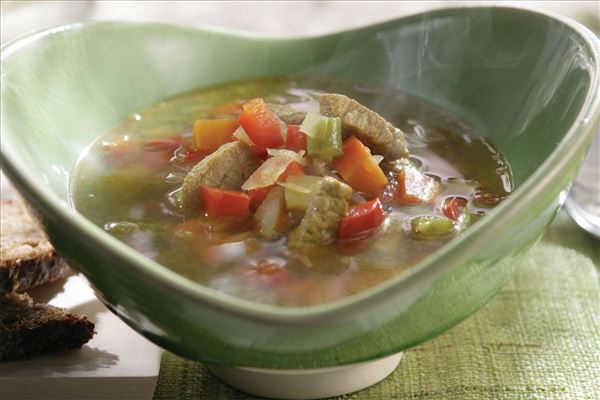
(430, 227)
(326, 143)
(311, 124)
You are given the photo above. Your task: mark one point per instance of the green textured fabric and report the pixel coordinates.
(539, 338)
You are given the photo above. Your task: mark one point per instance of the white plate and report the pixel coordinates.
(117, 363)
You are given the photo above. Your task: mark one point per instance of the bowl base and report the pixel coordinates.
(307, 383)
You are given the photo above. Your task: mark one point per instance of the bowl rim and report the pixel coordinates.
(575, 138)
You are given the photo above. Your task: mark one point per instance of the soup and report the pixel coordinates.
(290, 191)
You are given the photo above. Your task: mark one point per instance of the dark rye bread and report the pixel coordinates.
(27, 259)
(28, 329)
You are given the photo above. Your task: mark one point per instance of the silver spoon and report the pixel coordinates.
(583, 203)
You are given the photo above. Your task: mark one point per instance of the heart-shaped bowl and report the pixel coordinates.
(527, 80)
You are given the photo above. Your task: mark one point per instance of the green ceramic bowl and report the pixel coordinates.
(528, 80)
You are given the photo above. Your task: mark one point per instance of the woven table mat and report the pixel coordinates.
(539, 338)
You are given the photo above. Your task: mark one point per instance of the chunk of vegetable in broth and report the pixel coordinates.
(454, 206)
(295, 139)
(359, 168)
(361, 220)
(257, 196)
(210, 134)
(294, 169)
(261, 125)
(299, 190)
(224, 203)
(324, 136)
(430, 227)
(270, 214)
(414, 187)
(268, 173)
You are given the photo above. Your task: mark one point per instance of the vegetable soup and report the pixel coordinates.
(292, 190)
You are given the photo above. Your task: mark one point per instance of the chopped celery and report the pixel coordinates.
(121, 228)
(299, 191)
(430, 227)
(311, 124)
(326, 141)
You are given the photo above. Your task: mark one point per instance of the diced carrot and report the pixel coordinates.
(358, 168)
(261, 125)
(361, 220)
(414, 187)
(257, 196)
(454, 206)
(224, 203)
(295, 140)
(368, 178)
(354, 153)
(210, 134)
(294, 169)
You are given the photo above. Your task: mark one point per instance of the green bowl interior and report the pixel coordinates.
(521, 83)
(526, 81)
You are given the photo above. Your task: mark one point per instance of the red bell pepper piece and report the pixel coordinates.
(454, 206)
(257, 196)
(361, 220)
(295, 139)
(261, 125)
(294, 169)
(224, 203)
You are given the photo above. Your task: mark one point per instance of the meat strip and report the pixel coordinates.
(227, 168)
(369, 127)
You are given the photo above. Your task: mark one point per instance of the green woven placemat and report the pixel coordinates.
(539, 338)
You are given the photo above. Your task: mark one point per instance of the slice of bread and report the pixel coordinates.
(28, 329)
(27, 259)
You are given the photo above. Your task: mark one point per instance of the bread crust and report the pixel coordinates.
(28, 329)
(27, 259)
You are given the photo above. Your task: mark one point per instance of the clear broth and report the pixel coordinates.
(132, 198)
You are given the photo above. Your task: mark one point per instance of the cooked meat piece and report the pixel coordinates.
(227, 168)
(287, 114)
(27, 259)
(371, 128)
(28, 329)
(320, 223)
